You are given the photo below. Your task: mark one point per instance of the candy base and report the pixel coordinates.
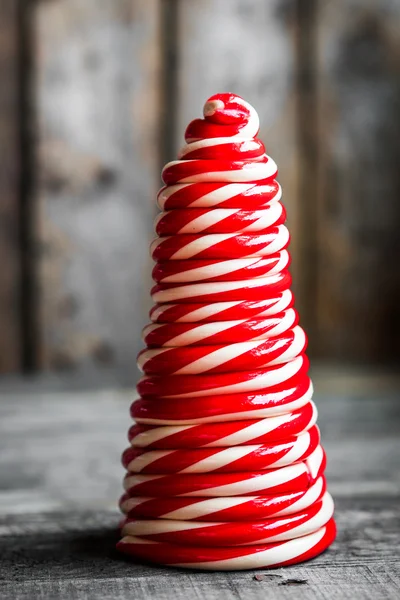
(233, 558)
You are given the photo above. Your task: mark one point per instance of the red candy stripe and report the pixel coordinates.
(226, 358)
(234, 150)
(235, 459)
(259, 431)
(240, 533)
(294, 477)
(225, 115)
(219, 220)
(232, 558)
(277, 400)
(252, 196)
(186, 271)
(220, 332)
(221, 311)
(220, 245)
(193, 386)
(223, 291)
(221, 509)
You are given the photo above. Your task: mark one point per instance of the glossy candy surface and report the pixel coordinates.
(225, 466)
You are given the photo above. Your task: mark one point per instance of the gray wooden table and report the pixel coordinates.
(60, 478)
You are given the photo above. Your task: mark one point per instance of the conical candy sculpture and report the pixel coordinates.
(225, 469)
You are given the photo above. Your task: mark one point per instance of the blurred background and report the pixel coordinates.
(95, 96)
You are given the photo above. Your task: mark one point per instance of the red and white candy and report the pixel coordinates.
(223, 508)
(232, 558)
(226, 433)
(233, 533)
(225, 467)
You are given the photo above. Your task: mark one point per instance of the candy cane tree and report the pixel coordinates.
(225, 468)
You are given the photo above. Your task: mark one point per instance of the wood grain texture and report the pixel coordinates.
(307, 148)
(98, 104)
(10, 274)
(247, 47)
(60, 468)
(359, 183)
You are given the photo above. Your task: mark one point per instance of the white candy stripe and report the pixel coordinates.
(270, 556)
(208, 310)
(197, 333)
(228, 191)
(269, 479)
(146, 438)
(209, 218)
(221, 459)
(205, 507)
(249, 414)
(266, 220)
(286, 551)
(248, 131)
(285, 323)
(145, 527)
(208, 506)
(293, 350)
(253, 431)
(252, 126)
(141, 462)
(203, 143)
(264, 380)
(252, 170)
(314, 461)
(216, 287)
(205, 242)
(156, 526)
(310, 496)
(265, 481)
(203, 331)
(199, 245)
(257, 429)
(218, 357)
(229, 352)
(195, 247)
(262, 219)
(296, 452)
(166, 192)
(319, 520)
(224, 267)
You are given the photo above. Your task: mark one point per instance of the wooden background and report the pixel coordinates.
(94, 98)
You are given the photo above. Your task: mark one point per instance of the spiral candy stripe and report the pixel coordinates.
(222, 195)
(223, 460)
(225, 466)
(223, 508)
(226, 434)
(239, 533)
(222, 220)
(221, 311)
(219, 332)
(284, 553)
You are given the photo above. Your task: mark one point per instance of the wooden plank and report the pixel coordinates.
(10, 326)
(98, 108)
(71, 555)
(247, 47)
(359, 210)
(58, 519)
(307, 140)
